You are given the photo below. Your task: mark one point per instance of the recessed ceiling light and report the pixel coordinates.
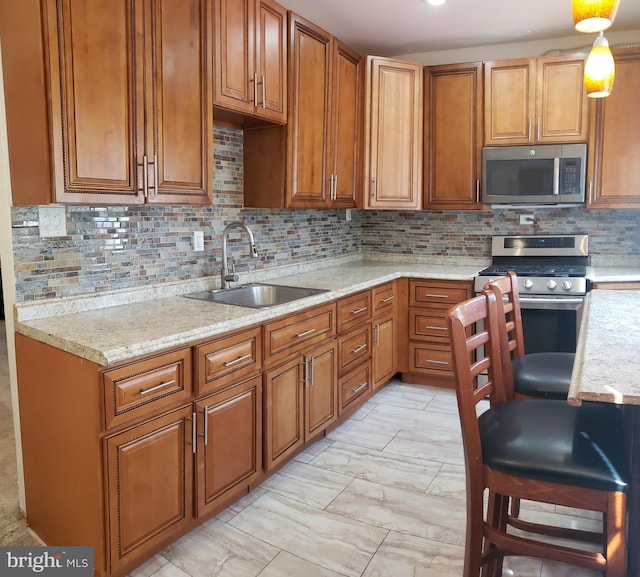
(435, 2)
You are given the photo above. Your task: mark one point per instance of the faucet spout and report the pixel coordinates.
(227, 274)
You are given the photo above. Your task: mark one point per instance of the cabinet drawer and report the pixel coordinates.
(428, 325)
(353, 348)
(144, 387)
(430, 359)
(440, 295)
(384, 297)
(225, 361)
(291, 334)
(354, 310)
(353, 386)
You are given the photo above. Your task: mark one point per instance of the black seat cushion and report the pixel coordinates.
(544, 375)
(553, 441)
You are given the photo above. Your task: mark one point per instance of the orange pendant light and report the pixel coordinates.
(594, 15)
(599, 70)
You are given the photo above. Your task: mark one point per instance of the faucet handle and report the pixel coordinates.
(254, 251)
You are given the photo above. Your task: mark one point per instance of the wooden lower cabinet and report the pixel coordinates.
(229, 448)
(301, 400)
(383, 354)
(354, 386)
(150, 484)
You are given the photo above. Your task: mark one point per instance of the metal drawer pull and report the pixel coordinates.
(305, 333)
(264, 93)
(238, 360)
(144, 392)
(437, 362)
(388, 299)
(437, 296)
(360, 310)
(436, 328)
(206, 425)
(360, 348)
(359, 388)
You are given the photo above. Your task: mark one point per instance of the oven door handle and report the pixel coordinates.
(551, 303)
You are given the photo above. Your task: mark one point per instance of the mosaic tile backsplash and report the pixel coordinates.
(119, 247)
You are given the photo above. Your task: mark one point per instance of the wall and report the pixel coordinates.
(126, 247)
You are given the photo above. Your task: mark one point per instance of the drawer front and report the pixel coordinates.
(384, 298)
(226, 361)
(430, 360)
(440, 295)
(291, 334)
(353, 348)
(145, 387)
(428, 326)
(354, 310)
(353, 386)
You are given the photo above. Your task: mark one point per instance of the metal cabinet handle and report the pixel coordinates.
(264, 93)
(374, 187)
(477, 191)
(360, 348)
(538, 136)
(313, 371)
(432, 296)
(144, 392)
(377, 327)
(305, 333)
(309, 370)
(206, 425)
(359, 388)
(194, 438)
(145, 176)
(360, 310)
(388, 299)
(255, 89)
(335, 186)
(238, 360)
(430, 327)
(437, 362)
(155, 174)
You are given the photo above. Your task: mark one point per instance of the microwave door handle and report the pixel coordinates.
(556, 176)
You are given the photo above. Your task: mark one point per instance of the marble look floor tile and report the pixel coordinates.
(235, 508)
(287, 565)
(369, 433)
(311, 452)
(404, 511)
(170, 570)
(551, 569)
(444, 403)
(402, 555)
(403, 395)
(364, 410)
(331, 541)
(308, 484)
(450, 482)
(150, 567)
(442, 445)
(378, 466)
(219, 549)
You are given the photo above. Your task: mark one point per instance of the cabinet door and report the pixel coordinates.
(283, 411)
(181, 132)
(384, 351)
(321, 388)
(271, 60)
(229, 442)
(345, 126)
(561, 100)
(510, 96)
(150, 484)
(235, 83)
(97, 101)
(453, 136)
(309, 77)
(614, 141)
(394, 133)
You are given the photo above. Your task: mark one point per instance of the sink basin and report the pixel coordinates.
(256, 295)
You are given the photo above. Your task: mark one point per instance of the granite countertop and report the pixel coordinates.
(115, 328)
(607, 363)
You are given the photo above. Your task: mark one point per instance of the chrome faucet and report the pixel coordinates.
(227, 274)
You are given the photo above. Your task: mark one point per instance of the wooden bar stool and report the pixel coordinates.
(540, 450)
(535, 375)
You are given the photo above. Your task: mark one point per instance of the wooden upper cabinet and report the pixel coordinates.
(453, 136)
(131, 104)
(251, 58)
(614, 141)
(393, 134)
(313, 161)
(535, 101)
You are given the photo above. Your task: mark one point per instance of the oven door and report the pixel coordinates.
(551, 324)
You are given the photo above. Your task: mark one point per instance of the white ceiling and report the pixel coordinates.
(394, 27)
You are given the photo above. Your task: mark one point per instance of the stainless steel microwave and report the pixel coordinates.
(545, 174)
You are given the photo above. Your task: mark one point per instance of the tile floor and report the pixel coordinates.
(380, 496)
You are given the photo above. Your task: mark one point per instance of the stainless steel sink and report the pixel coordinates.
(256, 295)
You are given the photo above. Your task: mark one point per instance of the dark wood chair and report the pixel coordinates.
(539, 450)
(535, 375)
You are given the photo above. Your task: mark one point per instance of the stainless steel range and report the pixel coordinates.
(552, 281)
